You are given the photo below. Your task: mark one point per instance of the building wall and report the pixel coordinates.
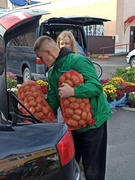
(119, 42)
(125, 9)
(129, 10)
(3, 3)
(97, 8)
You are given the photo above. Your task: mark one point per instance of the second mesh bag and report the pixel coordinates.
(76, 111)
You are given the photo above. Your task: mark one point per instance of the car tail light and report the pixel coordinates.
(66, 148)
(88, 55)
(38, 61)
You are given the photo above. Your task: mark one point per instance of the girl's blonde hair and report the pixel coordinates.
(69, 34)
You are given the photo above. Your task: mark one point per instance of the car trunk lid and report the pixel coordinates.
(76, 20)
(12, 24)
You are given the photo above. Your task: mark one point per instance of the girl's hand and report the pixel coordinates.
(66, 91)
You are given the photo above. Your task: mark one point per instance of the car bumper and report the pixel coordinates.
(128, 59)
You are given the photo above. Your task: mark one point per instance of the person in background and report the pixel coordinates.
(80, 49)
(66, 39)
(90, 141)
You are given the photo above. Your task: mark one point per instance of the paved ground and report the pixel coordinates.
(121, 145)
(109, 65)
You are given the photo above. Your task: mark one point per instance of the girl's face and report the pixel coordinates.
(65, 42)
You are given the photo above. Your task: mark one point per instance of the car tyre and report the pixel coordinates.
(132, 61)
(26, 75)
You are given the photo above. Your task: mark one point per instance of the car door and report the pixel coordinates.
(12, 24)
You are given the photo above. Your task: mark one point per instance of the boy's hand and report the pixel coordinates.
(66, 91)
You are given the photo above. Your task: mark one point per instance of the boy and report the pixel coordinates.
(90, 141)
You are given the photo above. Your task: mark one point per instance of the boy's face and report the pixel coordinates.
(46, 57)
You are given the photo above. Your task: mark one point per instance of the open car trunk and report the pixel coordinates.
(76, 20)
(13, 24)
(77, 24)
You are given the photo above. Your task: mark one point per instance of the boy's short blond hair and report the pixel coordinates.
(44, 42)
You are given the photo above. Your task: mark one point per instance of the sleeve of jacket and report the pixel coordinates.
(52, 96)
(92, 86)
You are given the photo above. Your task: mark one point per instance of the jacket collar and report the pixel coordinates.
(63, 52)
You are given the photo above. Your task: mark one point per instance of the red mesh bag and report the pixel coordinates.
(31, 95)
(76, 111)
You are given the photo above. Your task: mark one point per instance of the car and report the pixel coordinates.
(21, 59)
(20, 56)
(130, 58)
(32, 150)
(79, 25)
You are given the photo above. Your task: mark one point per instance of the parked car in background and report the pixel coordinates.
(20, 56)
(36, 150)
(130, 58)
(21, 59)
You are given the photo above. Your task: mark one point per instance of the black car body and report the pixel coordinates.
(22, 61)
(37, 151)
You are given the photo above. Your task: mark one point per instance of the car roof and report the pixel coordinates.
(76, 20)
